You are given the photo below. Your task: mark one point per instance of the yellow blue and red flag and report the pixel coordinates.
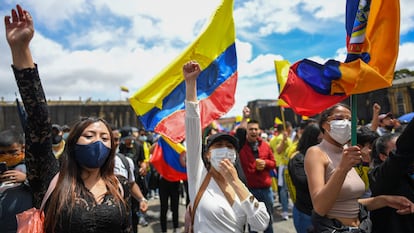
(166, 159)
(282, 71)
(372, 49)
(160, 103)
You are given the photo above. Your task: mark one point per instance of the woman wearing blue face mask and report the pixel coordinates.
(225, 204)
(335, 187)
(87, 196)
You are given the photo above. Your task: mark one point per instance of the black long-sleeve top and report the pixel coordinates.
(88, 216)
(392, 178)
(41, 164)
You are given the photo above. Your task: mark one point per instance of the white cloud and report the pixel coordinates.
(405, 56)
(101, 54)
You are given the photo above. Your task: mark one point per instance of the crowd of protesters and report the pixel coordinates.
(102, 176)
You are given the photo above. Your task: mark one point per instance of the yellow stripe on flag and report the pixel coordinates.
(282, 71)
(213, 41)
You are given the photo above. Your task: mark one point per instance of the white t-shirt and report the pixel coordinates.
(121, 170)
(214, 213)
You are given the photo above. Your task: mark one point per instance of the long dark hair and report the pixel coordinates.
(309, 138)
(70, 184)
(380, 147)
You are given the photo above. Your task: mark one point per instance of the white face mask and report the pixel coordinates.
(142, 138)
(218, 154)
(340, 131)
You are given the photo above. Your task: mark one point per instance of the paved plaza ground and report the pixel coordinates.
(279, 224)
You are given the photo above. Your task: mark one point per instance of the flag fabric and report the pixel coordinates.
(124, 89)
(166, 159)
(160, 103)
(277, 121)
(302, 98)
(372, 50)
(282, 71)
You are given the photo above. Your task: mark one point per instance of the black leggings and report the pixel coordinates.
(169, 190)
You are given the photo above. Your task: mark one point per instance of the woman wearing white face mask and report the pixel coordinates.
(335, 187)
(226, 205)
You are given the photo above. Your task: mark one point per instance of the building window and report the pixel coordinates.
(400, 103)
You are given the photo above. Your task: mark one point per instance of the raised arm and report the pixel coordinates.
(19, 33)
(191, 70)
(376, 108)
(40, 162)
(193, 137)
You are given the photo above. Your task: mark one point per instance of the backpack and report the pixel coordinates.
(126, 164)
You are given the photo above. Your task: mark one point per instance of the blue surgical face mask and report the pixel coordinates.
(92, 155)
(65, 135)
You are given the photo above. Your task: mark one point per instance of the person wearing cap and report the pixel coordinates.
(257, 161)
(386, 123)
(65, 130)
(226, 204)
(130, 147)
(381, 123)
(124, 169)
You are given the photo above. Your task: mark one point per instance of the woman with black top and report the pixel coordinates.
(302, 209)
(88, 197)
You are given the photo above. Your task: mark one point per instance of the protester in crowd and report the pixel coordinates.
(15, 193)
(169, 191)
(58, 144)
(124, 169)
(335, 186)
(392, 174)
(208, 131)
(145, 175)
(302, 125)
(365, 140)
(257, 162)
(386, 123)
(291, 150)
(65, 130)
(382, 123)
(280, 146)
(234, 206)
(87, 196)
(132, 148)
(151, 172)
(302, 209)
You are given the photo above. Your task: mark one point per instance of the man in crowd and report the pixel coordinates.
(257, 161)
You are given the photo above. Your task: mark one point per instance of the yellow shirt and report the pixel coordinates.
(281, 158)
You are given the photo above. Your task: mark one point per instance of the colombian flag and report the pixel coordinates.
(372, 45)
(282, 71)
(160, 103)
(166, 159)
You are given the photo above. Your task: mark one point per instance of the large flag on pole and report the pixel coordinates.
(372, 45)
(160, 103)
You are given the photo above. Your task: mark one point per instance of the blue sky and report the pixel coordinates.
(88, 49)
